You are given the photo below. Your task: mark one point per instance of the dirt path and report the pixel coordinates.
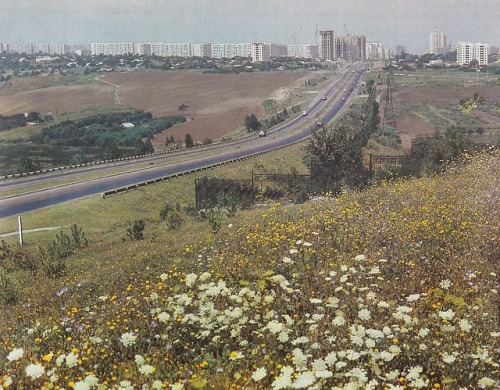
(435, 111)
(116, 98)
(32, 230)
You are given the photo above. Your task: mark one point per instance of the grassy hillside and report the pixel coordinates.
(394, 287)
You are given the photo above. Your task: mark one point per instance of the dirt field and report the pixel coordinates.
(217, 104)
(423, 109)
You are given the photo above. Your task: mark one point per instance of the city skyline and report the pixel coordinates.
(405, 22)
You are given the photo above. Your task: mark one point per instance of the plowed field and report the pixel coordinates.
(217, 103)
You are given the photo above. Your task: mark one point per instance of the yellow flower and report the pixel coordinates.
(48, 357)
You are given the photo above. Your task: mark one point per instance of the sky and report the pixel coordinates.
(389, 22)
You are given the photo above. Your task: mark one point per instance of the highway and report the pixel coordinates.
(290, 132)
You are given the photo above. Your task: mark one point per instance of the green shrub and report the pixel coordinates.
(8, 289)
(136, 231)
(175, 219)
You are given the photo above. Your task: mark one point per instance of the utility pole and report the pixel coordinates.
(20, 224)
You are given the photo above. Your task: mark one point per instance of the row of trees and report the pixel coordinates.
(103, 129)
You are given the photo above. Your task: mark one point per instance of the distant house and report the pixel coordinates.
(128, 124)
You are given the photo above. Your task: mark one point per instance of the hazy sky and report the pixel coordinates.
(390, 22)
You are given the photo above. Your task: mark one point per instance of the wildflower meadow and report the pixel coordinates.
(395, 287)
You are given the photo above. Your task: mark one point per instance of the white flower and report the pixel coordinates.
(357, 340)
(157, 385)
(283, 381)
(128, 339)
(360, 258)
(486, 382)
(287, 260)
(413, 297)
(386, 356)
(60, 359)
(374, 271)
(146, 369)
(464, 325)
(259, 374)
(447, 358)
(7, 381)
(15, 354)
(177, 386)
(293, 251)
(364, 314)
(359, 374)
(153, 296)
(331, 358)
(81, 385)
(91, 380)
(163, 317)
(139, 360)
(445, 284)
(414, 373)
(423, 332)
(304, 380)
(191, 279)
(35, 371)
(446, 315)
(125, 385)
(275, 326)
(71, 360)
(163, 277)
(338, 320)
(299, 358)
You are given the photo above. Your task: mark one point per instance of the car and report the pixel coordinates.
(343, 98)
(323, 98)
(304, 113)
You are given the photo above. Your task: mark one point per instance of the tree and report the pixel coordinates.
(112, 151)
(183, 107)
(189, 141)
(26, 164)
(252, 123)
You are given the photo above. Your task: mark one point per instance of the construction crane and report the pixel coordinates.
(296, 35)
(347, 31)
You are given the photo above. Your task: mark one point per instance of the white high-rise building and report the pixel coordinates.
(467, 51)
(327, 48)
(303, 51)
(261, 52)
(438, 43)
(201, 49)
(112, 49)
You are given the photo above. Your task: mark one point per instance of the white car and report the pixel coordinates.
(304, 113)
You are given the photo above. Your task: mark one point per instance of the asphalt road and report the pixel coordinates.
(297, 129)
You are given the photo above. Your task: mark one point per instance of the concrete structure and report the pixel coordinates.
(261, 52)
(327, 45)
(303, 51)
(376, 51)
(278, 51)
(467, 51)
(400, 50)
(355, 47)
(201, 49)
(438, 43)
(112, 49)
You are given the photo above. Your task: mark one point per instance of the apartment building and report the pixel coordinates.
(438, 43)
(467, 51)
(112, 49)
(261, 52)
(303, 51)
(327, 47)
(201, 49)
(376, 51)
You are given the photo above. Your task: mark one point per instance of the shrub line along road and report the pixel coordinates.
(285, 134)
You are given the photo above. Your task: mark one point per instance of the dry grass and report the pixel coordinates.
(394, 287)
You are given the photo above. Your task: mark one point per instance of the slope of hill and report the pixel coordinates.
(395, 287)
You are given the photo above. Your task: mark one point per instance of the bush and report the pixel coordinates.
(136, 231)
(8, 289)
(175, 219)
